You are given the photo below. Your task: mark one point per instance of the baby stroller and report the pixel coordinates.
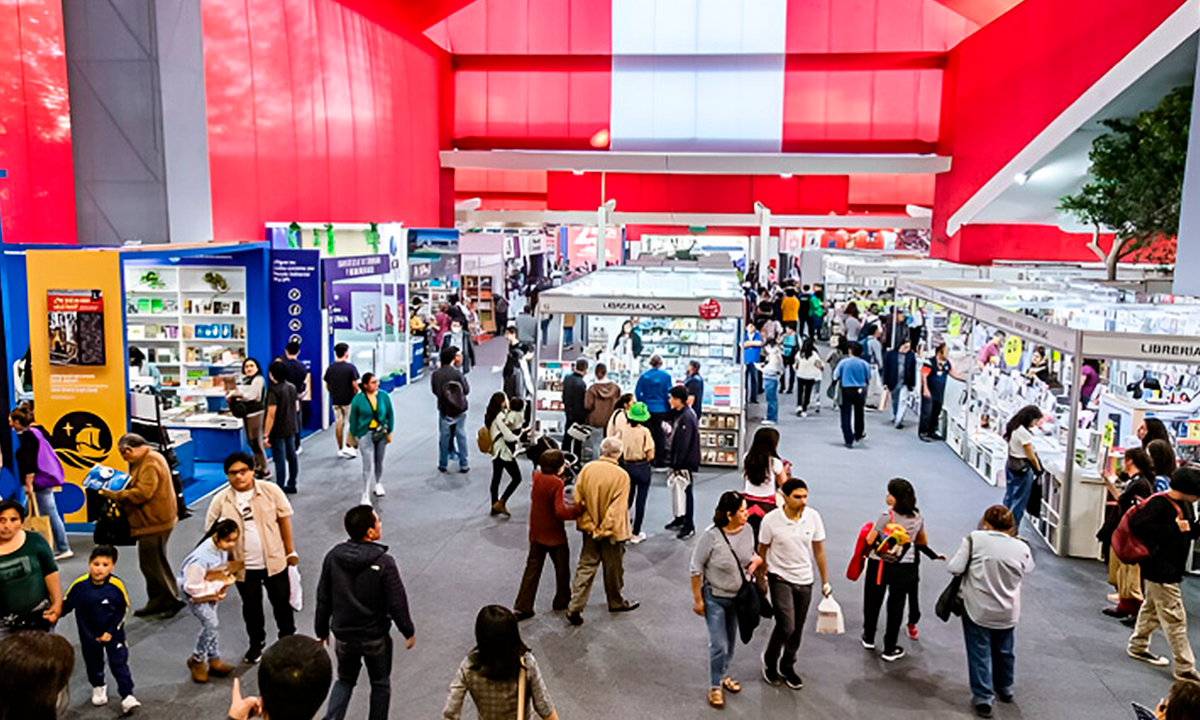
(540, 443)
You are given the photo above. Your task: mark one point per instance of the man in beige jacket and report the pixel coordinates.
(603, 492)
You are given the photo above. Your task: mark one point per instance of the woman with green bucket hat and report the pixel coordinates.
(639, 453)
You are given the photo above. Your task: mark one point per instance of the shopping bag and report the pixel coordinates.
(38, 523)
(297, 597)
(885, 400)
(830, 620)
(874, 389)
(678, 481)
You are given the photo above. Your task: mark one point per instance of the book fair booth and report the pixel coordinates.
(680, 314)
(1148, 351)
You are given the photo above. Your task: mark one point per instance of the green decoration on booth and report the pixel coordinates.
(372, 234)
(217, 282)
(316, 237)
(293, 236)
(329, 244)
(1136, 185)
(152, 279)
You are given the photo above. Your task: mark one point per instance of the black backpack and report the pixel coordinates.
(454, 400)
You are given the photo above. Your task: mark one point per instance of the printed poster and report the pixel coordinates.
(76, 327)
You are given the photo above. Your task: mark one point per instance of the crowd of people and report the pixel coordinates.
(761, 557)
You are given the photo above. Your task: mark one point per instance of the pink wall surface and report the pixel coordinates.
(37, 199)
(317, 113)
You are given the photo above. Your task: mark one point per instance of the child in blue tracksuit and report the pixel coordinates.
(100, 602)
(203, 578)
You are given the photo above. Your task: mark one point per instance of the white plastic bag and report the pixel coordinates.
(678, 481)
(297, 598)
(829, 617)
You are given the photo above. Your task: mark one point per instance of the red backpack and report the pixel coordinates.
(1128, 547)
(859, 559)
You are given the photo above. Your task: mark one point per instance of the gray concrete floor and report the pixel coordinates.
(454, 558)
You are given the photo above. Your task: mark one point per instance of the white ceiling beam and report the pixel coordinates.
(479, 218)
(697, 163)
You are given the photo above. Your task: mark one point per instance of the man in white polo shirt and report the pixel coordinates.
(791, 540)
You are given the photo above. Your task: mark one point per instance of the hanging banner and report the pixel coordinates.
(296, 314)
(79, 375)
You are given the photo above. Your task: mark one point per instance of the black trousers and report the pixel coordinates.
(656, 433)
(514, 472)
(854, 399)
(931, 413)
(898, 582)
(279, 593)
(560, 555)
(804, 393)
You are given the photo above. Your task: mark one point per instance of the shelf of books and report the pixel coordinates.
(477, 289)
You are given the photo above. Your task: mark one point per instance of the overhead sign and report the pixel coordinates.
(1182, 349)
(652, 307)
(935, 295)
(1039, 331)
(344, 268)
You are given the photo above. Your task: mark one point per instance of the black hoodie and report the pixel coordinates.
(360, 593)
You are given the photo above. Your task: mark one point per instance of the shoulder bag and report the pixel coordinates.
(750, 603)
(950, 601)
(380, 431)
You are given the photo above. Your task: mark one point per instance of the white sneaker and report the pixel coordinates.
(366, 499)
(100, 696)
(129, 704)
(637, 538)
(343, 454)
(379, 491)
(803, 413)
(299, 448)
(351, 452)
(64, 555)
(799, 412)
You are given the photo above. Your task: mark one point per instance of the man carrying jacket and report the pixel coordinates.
(683, 456)
(602, 499)
(1166, 524)
(359, 597)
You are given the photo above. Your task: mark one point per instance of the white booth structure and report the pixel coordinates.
(1078, 444)
(681, 314)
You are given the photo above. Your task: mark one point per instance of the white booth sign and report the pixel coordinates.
(1148, 348)
(1057, 336)
(652, 307)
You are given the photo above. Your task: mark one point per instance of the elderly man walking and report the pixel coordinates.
(602, 491)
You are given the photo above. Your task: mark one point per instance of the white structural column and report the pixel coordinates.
(698, 74)
(1187, 252)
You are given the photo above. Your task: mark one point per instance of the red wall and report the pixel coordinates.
(37, 199)
(317, 113)
(982, 244)
(1008, 81)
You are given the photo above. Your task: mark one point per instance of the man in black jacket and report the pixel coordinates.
(683, 455)
(900, 378)
(574, 397)
(1166, 524)
(359, 596)
(451, 389)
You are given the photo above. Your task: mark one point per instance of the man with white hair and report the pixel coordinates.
(602, 491)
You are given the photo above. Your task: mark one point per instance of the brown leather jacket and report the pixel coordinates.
(149, 497)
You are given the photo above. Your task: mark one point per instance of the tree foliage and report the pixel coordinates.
(1137, 173)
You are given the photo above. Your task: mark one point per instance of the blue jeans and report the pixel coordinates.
(351, 656)
(48, 507)
(991, 663)
(283, 452)
(899, 404)
(452, 427)
(1016, 494)
(753, 380)
(771, 385)
(206, 641)
(721, 618)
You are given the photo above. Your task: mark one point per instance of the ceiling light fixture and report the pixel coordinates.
(1022, 178)
(786, 176)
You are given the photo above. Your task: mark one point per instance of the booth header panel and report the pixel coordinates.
(650, 291)
(1147, 348)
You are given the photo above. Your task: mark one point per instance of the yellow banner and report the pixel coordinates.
(77, 344)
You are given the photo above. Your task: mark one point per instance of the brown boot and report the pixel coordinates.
(500, 509)
(216, 668)
(199, 670)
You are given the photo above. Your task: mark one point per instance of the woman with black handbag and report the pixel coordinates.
(246, 401)
(1023, 463)
(722, 562)
(371, 424)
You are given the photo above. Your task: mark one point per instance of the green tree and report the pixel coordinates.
(1137, 181)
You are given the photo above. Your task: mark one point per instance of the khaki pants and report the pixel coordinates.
(341, 415)
(1163, 607)
(594, 552)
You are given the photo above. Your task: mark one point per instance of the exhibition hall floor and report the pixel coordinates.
(653, 663)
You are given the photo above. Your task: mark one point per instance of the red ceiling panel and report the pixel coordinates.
(878, 105)
(565, 107)
(536, 27)
(841, 26)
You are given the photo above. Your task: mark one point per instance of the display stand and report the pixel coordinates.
(682, 314)
(1071, 322)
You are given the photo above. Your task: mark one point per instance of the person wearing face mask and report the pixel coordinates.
(458, 336)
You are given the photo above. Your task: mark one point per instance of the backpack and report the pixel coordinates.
(1129, 548)
(483, 439)
(454, 399)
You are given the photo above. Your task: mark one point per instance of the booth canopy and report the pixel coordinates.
(647, 291)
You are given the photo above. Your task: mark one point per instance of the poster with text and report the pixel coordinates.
(76, 327)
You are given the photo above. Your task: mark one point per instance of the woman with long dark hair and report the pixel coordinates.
(1023, 462)
(898, 535)
(723, 559)
(1165, 464)
(618, 421)
(494, 670)
(852, 321)
(809, 368)
(765, 473)
(41, 472)
(499, 423)
(372, 420)
(251, 390)
(1152, 429)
